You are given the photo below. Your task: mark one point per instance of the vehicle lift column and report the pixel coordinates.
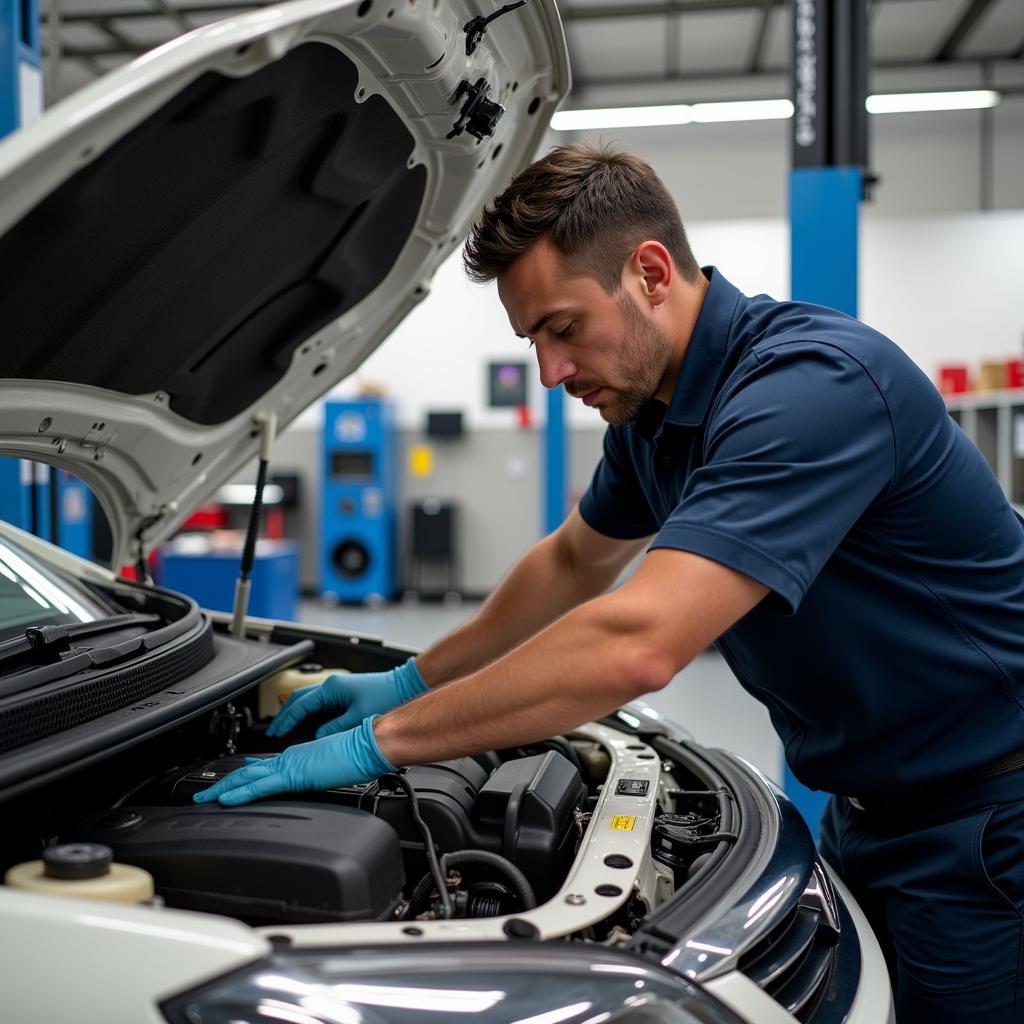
(829, 179)
(21, 64)
(45, 501)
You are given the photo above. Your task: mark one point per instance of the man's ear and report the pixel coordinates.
(652, 265)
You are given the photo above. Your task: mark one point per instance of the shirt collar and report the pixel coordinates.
(699, 375)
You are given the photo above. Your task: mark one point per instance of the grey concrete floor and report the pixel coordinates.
(705, 697)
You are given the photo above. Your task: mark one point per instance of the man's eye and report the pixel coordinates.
(565, 332)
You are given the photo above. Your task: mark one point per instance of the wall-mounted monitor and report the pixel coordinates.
(444, 424)
(506, 384)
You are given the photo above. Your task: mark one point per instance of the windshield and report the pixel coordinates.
(32, 594)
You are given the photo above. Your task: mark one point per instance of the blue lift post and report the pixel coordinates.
(826, 186)
(556, 461)
(45, 501)
(21, 64)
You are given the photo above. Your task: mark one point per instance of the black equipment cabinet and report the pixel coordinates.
(433, 543)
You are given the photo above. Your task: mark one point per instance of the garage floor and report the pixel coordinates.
(704, 697)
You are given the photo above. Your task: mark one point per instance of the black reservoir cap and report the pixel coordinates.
(77, 860)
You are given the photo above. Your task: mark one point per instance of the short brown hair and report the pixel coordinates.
(595, 204)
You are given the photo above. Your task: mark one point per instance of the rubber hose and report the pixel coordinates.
(420, 895)
(512, 874)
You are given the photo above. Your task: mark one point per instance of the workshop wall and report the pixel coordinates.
(492, 475)
(922, 237)
(911, 268)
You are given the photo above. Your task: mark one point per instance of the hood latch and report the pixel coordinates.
(480, 116)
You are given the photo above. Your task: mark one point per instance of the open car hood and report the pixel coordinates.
(221, 231)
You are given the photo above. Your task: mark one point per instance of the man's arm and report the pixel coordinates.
(566, 568)
(588, 662)
(602, 654)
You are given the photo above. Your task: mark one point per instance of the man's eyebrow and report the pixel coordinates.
(540, 323)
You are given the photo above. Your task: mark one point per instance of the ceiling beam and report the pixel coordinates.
(673, 47)
(104, 25)
(215, 7)
(603, 81)
(757, 48)
(664, 9)
(578, 14)
(962, 29)
(176, 15)
(91, 65)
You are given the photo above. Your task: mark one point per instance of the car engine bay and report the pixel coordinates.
(621, 832)
(505, 829)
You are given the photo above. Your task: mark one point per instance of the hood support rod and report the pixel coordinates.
(267, 424)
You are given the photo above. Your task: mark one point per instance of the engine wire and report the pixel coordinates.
(428, 842)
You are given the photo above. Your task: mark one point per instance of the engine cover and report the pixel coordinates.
(272, 861)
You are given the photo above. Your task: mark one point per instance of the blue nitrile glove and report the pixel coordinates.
(340, 760)
(368, 693)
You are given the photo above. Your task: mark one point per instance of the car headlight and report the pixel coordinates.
(501, 982)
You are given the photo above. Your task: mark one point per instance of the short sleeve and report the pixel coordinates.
(615, 504)
(797, 447)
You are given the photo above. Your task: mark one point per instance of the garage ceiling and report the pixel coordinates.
(612, 42)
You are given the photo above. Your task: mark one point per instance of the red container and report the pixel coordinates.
(953, 379)
(1015, 373)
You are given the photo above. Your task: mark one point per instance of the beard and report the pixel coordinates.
(643, 361)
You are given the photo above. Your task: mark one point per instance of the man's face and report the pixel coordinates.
(603, 349)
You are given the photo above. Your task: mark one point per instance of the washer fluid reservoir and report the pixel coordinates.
(83, 871)
(278, 688)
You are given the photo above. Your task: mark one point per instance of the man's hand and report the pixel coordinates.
(369, 693)
(343, 759)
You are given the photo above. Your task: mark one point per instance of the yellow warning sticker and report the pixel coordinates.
(421, 460)
(623, 823)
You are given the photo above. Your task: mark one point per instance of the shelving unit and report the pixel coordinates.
(994, 421)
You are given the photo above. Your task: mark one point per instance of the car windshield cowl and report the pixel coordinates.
(54, 625)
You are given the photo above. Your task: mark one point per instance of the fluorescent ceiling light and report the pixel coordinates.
(757, 110)
(749, 110)
(622, 117)
(677, 113)
(905, 102)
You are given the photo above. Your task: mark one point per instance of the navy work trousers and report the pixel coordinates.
(944, 892)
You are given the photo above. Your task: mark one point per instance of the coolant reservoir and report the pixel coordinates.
(277, 689)
(84, 871)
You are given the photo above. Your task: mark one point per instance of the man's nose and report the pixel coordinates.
(555, 368)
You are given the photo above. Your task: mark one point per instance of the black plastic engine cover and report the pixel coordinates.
(446, 791)
(526, 812)
(272, 861)
(523, 809)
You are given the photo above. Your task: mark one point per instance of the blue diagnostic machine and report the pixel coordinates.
(359, 474)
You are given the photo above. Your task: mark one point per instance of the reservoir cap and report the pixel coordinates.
(77, 860)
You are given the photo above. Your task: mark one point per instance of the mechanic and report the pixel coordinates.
(815, 513)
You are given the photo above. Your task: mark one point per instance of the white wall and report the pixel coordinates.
(945, 287)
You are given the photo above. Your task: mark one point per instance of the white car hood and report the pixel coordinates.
(222, 230)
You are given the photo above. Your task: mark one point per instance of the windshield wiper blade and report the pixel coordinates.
(52, 642)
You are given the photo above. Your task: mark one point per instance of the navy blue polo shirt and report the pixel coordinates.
(808, 452)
